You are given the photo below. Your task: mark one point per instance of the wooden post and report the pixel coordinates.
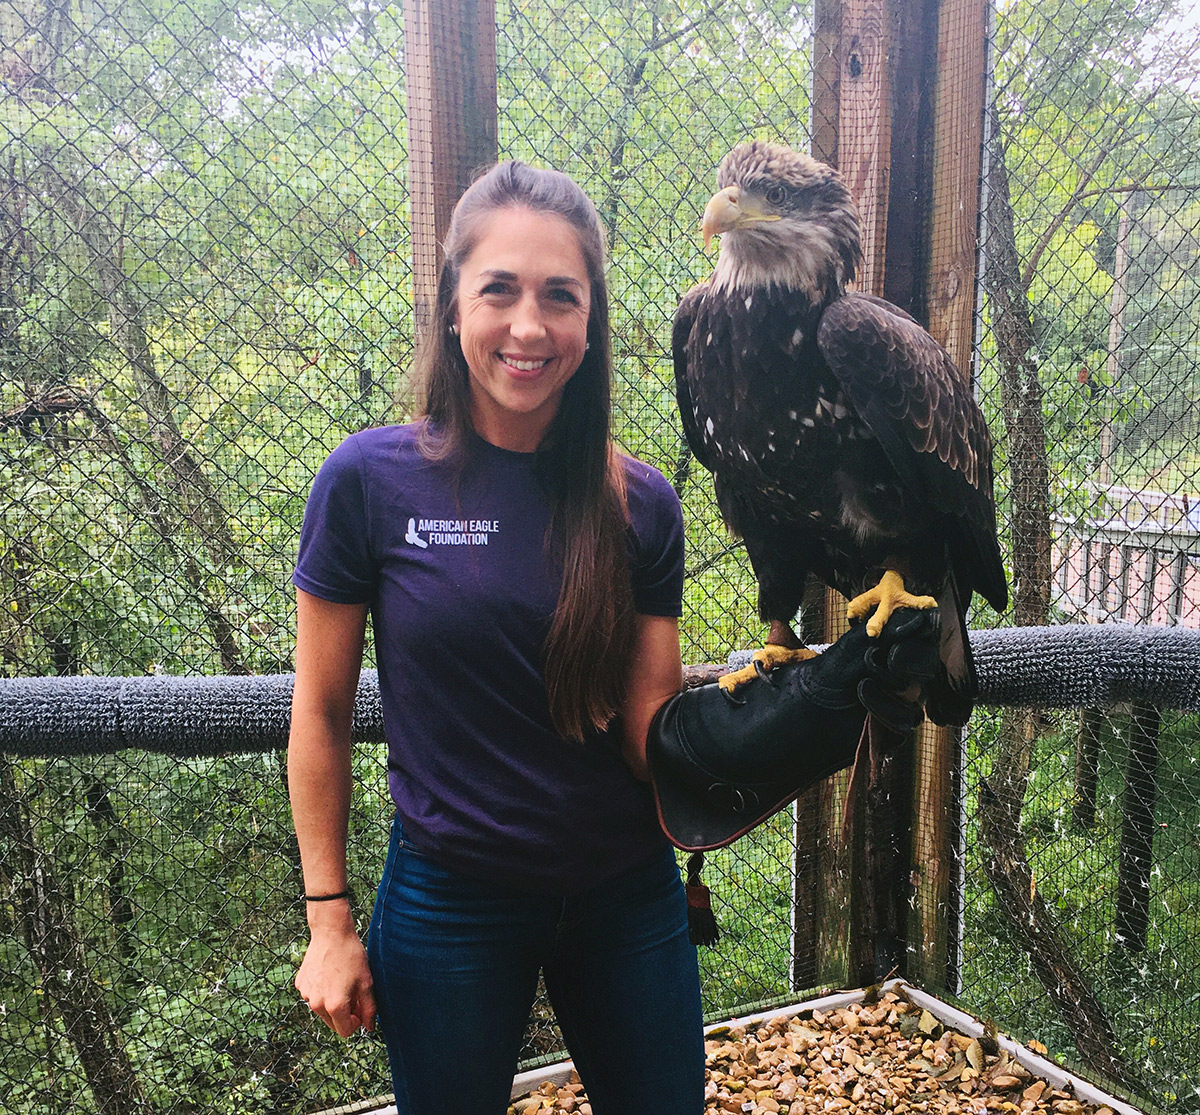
(898, 107)
(1147, 601)
(1106, 578)
(956, 141)
(826, 82)
(870, 84)
(820, 895)
(1136, 852)
(865, 125)
(1123, 582)
(818, 879)
(450, 69)
(1178, 573)
(852, 117)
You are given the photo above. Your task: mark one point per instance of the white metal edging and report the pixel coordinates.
(1047, 1069)
(949, 1016)
(559, 1072)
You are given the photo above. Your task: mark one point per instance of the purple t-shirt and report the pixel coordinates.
(461, 592)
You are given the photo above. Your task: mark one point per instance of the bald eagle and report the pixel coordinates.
(842, 440)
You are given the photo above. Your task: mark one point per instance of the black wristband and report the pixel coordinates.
(327, 897)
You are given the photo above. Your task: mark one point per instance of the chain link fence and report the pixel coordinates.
(1077, 882)
(205, 284)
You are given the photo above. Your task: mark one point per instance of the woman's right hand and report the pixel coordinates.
(334, 978)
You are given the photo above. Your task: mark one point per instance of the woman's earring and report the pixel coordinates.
(454, 329)
(587, 345)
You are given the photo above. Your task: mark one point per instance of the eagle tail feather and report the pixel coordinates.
(952, 693)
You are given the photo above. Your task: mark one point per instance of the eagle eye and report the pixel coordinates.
(776, 194)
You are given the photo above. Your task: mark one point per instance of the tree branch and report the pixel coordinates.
(1061, 217)
(659, 41)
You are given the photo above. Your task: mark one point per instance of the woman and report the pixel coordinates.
(524, 582)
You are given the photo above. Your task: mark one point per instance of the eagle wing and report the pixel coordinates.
(908, 391)
(685, 317)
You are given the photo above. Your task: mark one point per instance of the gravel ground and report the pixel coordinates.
(886, 1057)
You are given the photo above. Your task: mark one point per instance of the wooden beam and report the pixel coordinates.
(450, 72)
(913, 39)
(898, 107)
(869, 69)
(826, 81)
(820, 895)
(864, 126)
(948, 292)
(1147, 601)
(957, 143)
(851, 122)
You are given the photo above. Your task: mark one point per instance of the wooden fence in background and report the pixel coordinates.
(1135, 559)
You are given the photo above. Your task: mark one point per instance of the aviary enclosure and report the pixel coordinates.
(218, 227)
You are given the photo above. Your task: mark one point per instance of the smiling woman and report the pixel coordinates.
(498, 233)
(524, 581)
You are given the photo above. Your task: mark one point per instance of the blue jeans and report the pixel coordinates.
(455, 963)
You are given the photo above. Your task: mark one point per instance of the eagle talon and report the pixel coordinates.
(729, 694)
(731, 683)
(762, 662)
(885, 598)
(763, 672)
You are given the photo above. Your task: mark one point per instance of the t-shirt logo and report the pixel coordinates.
(412, 537)
(450, 532)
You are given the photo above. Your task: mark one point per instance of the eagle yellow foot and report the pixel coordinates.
(769, 657)
(885, 598)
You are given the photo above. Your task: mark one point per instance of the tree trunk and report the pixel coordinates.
(194, 500)
(43, 909)
(197, 500)
(1116, 331)
(215, 620)
(1003, 794)
(1087, 758)
(881, 859)
(1038, 934)
(111, 840)
(1021, 398)
(156, 509)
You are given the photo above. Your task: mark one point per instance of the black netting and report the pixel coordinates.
(1076, 887)
(206, 283)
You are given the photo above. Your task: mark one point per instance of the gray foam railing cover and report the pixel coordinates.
(1066, 666)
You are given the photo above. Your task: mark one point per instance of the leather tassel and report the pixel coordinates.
(702, 924)
(861, 772)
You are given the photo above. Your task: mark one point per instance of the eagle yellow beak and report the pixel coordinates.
(727, 210)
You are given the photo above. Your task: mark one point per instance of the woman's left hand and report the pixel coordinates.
(334, 978)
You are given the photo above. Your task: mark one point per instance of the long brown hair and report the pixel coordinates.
(587, 651)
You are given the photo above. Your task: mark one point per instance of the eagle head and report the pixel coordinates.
(785, 220)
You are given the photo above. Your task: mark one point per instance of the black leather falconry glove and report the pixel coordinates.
(720, 765)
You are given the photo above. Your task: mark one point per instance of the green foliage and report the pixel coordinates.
(205, 271)
(749, 967)
(200, 974)
(1152, 998)
(1093, 100)
(204, 260)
